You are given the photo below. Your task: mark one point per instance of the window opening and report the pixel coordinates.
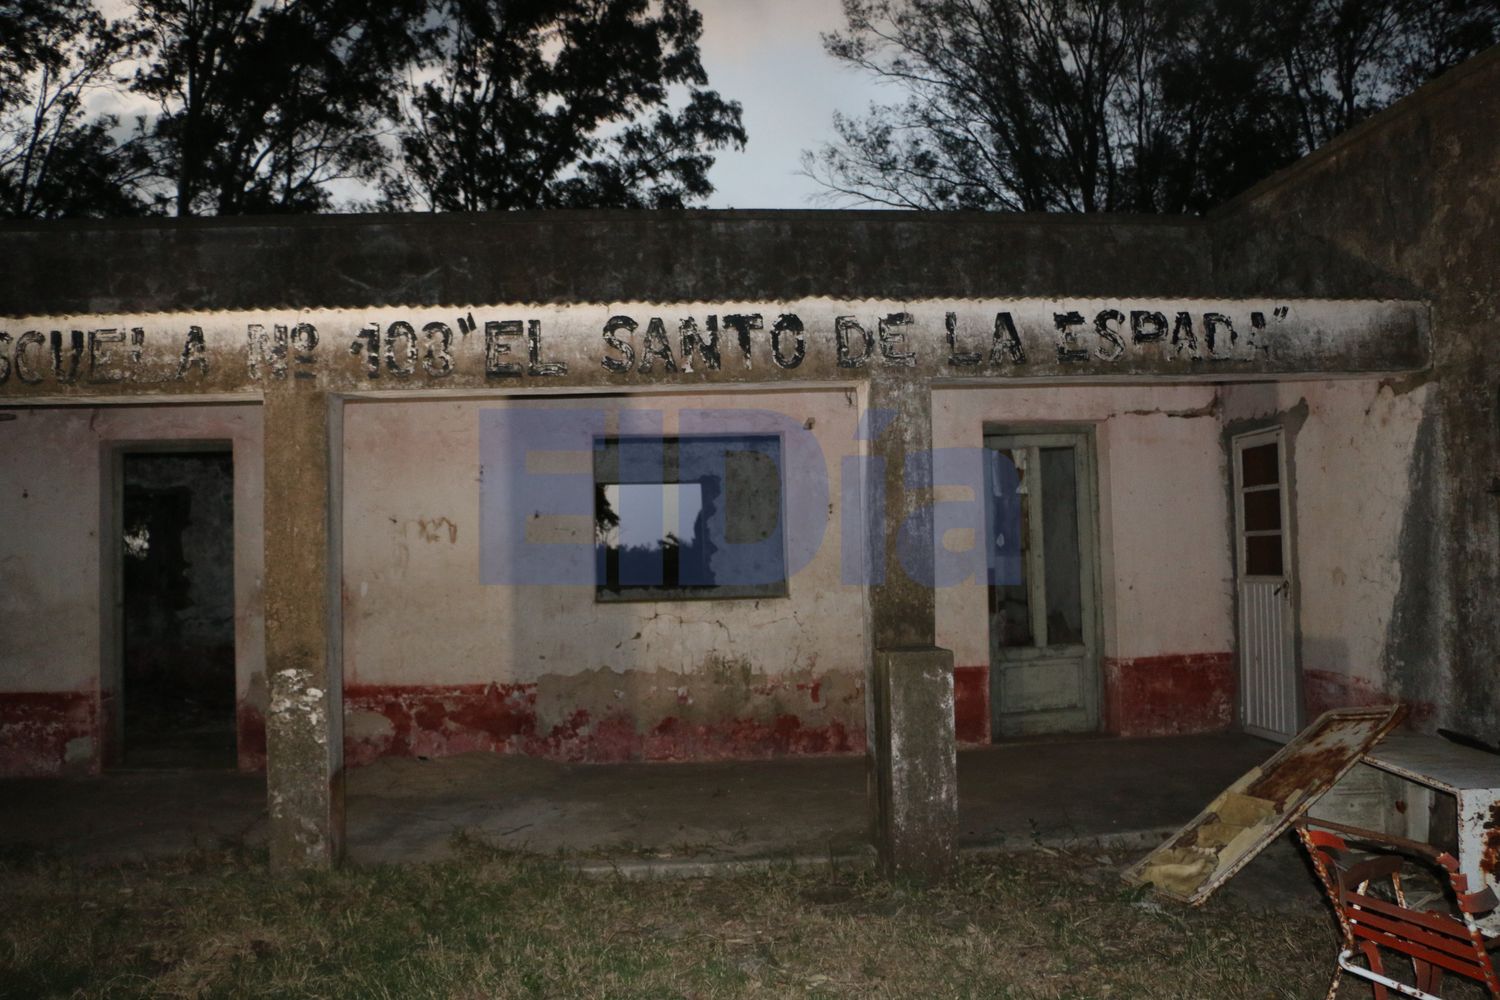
(688, 517)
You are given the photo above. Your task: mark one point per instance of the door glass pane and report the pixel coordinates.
(1263, 510)
(1010, 604)
(1060, 546)
(1263, 555)
(1258, 465)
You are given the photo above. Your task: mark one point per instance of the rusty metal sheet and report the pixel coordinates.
(1248, 815)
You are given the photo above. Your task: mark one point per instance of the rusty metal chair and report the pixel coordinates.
(1435, 942)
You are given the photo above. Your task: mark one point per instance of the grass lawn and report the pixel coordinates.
(1042, 924)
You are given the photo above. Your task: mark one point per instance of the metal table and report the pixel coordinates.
(1471, 777)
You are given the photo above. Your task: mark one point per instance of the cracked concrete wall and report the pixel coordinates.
(58, 701)
(1408, 206)
(1165, 580)
(1355, 451)
(327, 261)
(1160, 471)
(436, 661)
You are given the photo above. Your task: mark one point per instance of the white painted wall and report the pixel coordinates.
(1163, 517)
(417, 613)
(52, 470)
(1352, 457)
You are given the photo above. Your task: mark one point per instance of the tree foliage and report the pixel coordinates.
(55, 159)
(563, 103)
(262, 105)
(286, 105)
(1119, 105)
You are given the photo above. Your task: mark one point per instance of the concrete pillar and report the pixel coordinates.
(304, 723)
(913, 767)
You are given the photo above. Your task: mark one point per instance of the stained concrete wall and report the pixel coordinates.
(1352, 451)
(1404, 207)
(56, 687)
(1168, 637)
(1408, 205)
(311, 262)
(437, 661)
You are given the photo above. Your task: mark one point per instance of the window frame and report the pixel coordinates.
(614, 592)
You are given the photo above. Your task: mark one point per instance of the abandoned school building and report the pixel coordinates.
(602, 486)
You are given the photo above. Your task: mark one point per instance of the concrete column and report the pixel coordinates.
(913, 772)
(304, 724)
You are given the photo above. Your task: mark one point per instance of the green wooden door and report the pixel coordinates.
(1044, 642)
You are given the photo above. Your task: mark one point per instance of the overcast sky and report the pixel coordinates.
(766, 54)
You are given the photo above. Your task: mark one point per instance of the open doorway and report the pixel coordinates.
(176, 607)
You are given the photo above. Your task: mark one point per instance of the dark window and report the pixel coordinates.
(1010, 593)
(1263, 510)
(1263, 555)
(1260, 497)
(1060, 547)
(688, 517)
(1260, 465)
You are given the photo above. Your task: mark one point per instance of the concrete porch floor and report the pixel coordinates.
(408, 809)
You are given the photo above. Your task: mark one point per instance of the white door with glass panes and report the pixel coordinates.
(1270, 695)
(1044, 663)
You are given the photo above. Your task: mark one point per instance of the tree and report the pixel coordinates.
(563, 104)
(1119, 105)
(1344, 60)
(54, 160)
(265, 103)
(1215, 119)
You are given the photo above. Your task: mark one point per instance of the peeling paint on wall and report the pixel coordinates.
(971, 704)
(1160, 476)
(437, 528)
(552, 669)
(250, 729)
(50, 481)
(575, 345)
(1364, 503)
(1325, 689)
(49, 733)
(601, 716)
(1169, 695)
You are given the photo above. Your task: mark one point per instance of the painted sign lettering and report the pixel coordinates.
(695, 343)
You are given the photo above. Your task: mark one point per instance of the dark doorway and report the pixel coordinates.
(177, 614)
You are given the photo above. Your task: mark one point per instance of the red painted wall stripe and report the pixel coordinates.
(1325, 689)
(250, 736)
(971, 704)
(1169, 695)
(433, 721)
(46, 733)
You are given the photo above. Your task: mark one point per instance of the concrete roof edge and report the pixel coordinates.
(1487, 61)
(651, 217)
